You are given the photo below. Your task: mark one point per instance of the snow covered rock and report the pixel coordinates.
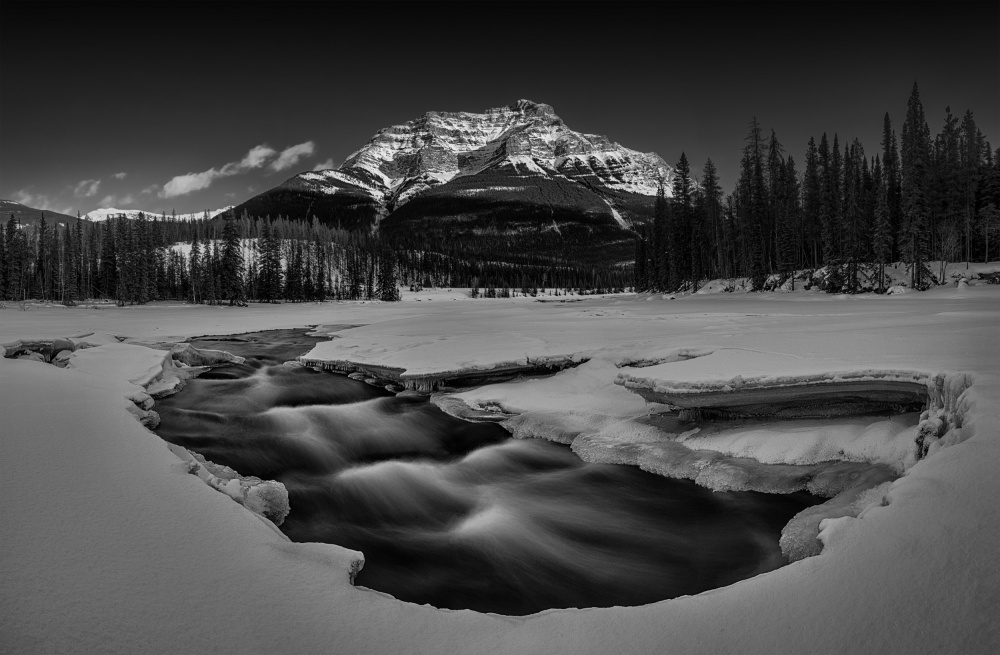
(264, 497)
(45, 349)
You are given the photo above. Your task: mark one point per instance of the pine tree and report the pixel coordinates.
(661, 242)
(43, 271)
(812, 192)
(826, 202)
(882, 232)
(387, 289)
(751, 206)
(711, 210)
(914, 160)
(195, 268)
(680, 227)
(320, 287)
(231, 275)
(775, 201)
(971, 175)
(890, 173)
(853, 214)
(790, 236)
(836, 198)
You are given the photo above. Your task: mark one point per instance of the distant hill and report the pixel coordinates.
(103, 214)
(31, 216)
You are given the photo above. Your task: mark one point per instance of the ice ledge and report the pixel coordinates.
(438, 380)
(737, 383)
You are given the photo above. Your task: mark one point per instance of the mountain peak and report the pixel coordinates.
(530, 107)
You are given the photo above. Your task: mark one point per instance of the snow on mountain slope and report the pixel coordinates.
(514, 164)
(529, 136)
(104, 214)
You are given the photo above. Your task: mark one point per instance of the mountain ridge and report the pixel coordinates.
(513, 171)
(30, 215)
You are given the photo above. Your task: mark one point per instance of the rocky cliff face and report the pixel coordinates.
(526, 138)
(512, 169)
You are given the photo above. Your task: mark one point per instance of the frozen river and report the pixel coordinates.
(458, 514)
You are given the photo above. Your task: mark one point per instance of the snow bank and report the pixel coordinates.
(120, 549)
(266, 498)
(737, 382)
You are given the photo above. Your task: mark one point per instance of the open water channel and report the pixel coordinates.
(458, 514)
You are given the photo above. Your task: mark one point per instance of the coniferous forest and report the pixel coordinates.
(916, 199)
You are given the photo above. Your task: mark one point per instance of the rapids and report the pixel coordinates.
(458, 514)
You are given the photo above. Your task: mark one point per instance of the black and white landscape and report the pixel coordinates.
(545, 327)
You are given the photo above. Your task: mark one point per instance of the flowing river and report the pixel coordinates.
(457, 514)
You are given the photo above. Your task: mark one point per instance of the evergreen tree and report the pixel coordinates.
(711, 211)
(231, 275)
(853, 213)
(387, 288)
(320, 287)
(971, 176)
(882, 232)
(836, 199)
(890, 173)
(827, 202)
(790, 237)
(914, 160)
(661, 242)
(195, 270)
(43, 271)
(679, 246)
(752, 206)
(812, 193)
(3, 265)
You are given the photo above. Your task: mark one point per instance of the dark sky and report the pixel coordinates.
(91, 91)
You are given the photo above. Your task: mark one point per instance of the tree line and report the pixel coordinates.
(919, 199)
(230, 260)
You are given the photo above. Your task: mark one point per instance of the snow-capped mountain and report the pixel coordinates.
(402, 161)
(104, 214)
(509, 170)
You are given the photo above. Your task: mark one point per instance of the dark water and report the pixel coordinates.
(457, 514)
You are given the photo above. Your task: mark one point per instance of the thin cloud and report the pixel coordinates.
(292, 154)
(151, 188)
(324, 165)
(23, 197)
(39, 201)
(181, 185)
(87, 188)
(120, 176)
(115, 201)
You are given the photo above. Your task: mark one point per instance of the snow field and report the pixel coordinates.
(120, 549)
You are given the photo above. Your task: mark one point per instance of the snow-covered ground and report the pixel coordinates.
(110, 545)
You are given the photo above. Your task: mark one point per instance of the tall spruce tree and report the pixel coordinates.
(679, 246)
(231, 275)
(971, 176)
(914, 168)
(387, 289)
(812, 193)
(711, 209)
(882, 230)
(890, 173)
(660, 274)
